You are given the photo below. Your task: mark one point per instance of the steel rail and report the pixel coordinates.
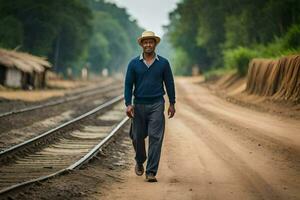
(73, 166)
(57, 102)
(47, 133)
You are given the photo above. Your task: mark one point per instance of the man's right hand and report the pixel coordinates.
(130, 111)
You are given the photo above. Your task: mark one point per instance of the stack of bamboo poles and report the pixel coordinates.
(279, 79)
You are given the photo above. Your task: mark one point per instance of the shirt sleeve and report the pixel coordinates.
(129, 80)
(169, 83)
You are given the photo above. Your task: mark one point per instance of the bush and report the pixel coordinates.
(239, 59)
(214, 73)
(291, 40)
(287, 45)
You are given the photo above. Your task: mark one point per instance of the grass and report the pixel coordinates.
(217, 72)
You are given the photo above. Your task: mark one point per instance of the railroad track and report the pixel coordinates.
(61, 149)
(21, 126)
(82, 94)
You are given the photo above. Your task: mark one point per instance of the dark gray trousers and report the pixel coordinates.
(149, 120)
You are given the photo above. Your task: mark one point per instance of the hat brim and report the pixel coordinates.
(140, 39)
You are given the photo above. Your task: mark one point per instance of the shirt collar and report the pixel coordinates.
(142, 57)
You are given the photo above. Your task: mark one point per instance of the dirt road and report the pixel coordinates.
(217, 150)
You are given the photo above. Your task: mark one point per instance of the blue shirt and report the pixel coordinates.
(146, 84)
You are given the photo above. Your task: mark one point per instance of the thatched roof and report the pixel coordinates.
(23, 61)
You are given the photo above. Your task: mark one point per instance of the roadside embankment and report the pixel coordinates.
(279, 79)
(270, 85)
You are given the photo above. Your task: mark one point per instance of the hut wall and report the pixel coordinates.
(13, 77)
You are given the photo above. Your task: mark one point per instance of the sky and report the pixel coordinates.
(150, 14)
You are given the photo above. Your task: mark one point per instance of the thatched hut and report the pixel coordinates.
(22, 70)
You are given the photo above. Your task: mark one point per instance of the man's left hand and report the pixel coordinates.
(171, 110)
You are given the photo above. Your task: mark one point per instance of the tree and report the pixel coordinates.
(205, 29)
(57, 29)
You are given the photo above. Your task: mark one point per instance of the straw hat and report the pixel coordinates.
(148, 35)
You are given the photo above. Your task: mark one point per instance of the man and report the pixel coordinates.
(146, 74)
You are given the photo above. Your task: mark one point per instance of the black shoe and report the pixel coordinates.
(150, 178)
(139, 170)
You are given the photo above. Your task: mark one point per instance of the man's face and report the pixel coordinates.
(148, 45)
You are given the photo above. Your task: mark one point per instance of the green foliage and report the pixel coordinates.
(57, 29)
(98, 55)
(118, 43)
(13, 34)
(119, 30)
(217, 72)
(114, 37)
(203, 29)
(236, 32)
(180, 60)
(239, 59)
(183, 31)
(292, 38)
(164, 48)
(286, 45)
(71, 34)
